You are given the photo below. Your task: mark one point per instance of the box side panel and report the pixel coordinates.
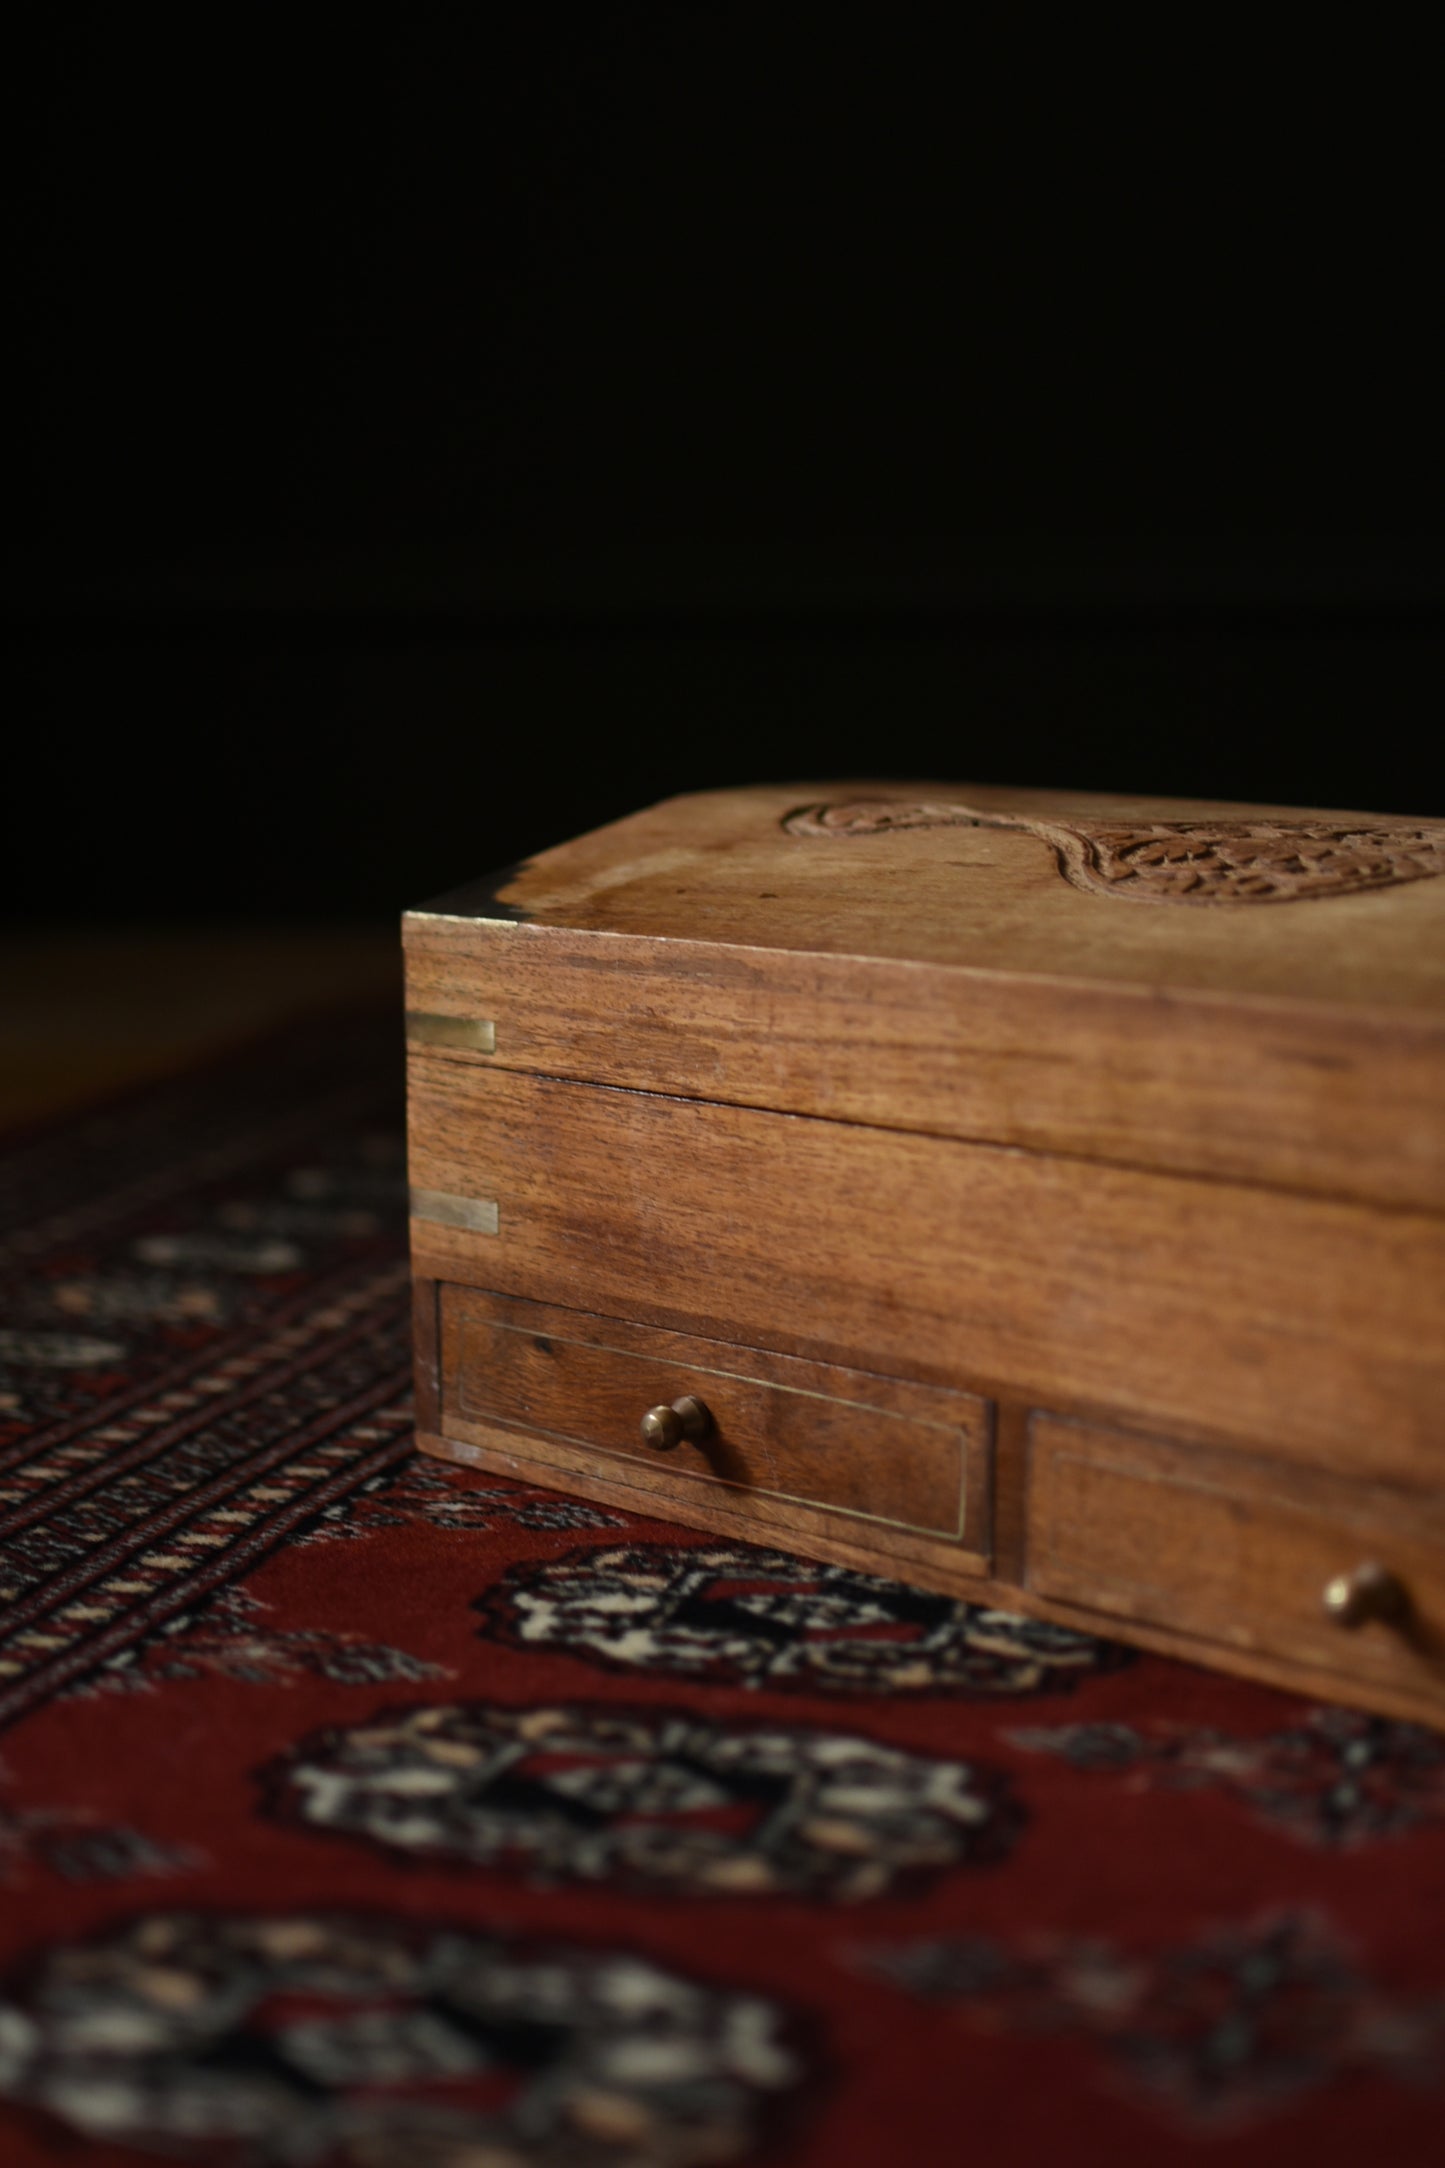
(1213, 1310)
(1290, 1095)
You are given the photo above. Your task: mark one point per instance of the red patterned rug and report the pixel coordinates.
(355, 1811)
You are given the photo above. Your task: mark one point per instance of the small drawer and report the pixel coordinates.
(1244, 1552)
(783, 1438)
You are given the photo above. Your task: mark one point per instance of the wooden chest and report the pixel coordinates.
(1039, 1197)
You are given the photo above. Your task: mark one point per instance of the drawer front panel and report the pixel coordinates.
(784, 1431)
(1194, 1306)
(1234, 1550)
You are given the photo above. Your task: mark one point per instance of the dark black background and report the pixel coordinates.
(435, 435)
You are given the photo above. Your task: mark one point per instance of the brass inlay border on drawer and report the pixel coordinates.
(478, 1215)
(476, 1033)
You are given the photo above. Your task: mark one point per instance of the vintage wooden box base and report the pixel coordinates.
(1039, 1197)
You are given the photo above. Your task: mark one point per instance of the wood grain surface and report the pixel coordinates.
(1206, 1307)
(1293, 1094)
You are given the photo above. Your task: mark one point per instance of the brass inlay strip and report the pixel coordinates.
(478, 1214)
(479, 1033)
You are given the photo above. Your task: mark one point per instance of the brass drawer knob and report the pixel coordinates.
(1368, 1592)
(666, 1427)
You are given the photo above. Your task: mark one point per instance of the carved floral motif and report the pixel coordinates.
(1208, 862)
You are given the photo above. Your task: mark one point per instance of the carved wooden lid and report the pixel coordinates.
(1279, 903)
